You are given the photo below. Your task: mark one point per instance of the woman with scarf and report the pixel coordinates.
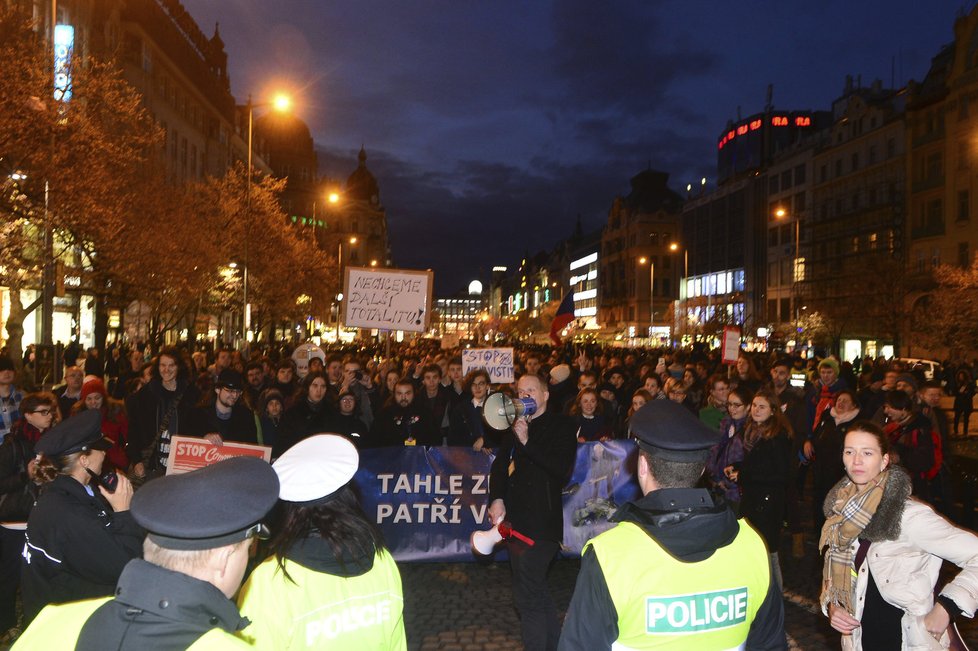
(827, 440)
(729, 450)
(764, 473)
(885, 552)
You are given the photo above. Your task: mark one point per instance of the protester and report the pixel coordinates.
(672, 547)
(829, 436)
(10, 397)
(115, 424)
(80, 534)
(328, 561)
(531, 467)
(763, 474)
(467, 426)
(885, 552)
(729, 450)
(179, 596)
(271, 404)
(223, 415)
(588, 413)
(310, 414)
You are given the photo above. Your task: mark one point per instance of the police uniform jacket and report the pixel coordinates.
(325, 602)
(76, 546)
(154, 608)
(690, 525)
(541, 468)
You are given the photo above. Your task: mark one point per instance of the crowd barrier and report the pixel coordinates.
(428, 501)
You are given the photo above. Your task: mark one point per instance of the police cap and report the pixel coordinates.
(80, 433)
(208, 508)
(315, 468)
(669, 431)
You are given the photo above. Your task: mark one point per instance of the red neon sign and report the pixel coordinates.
(755, 125)
(779, 121)
(742, 129)
(803, 122)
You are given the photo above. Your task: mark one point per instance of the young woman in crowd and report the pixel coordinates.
(588, 412)
(745, 374)
(729, 450)
(885, 552)
(764, 473)
(639, 399)
(115, 424)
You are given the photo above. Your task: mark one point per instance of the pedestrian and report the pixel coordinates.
(729, 449)
(179, 596)
(532, 466)
(17, 495)
(674, 552)
(830, 433)
(964, 399)
(764, 473)
(884, 556)
(310, 414)
(80, 534)
(329, 565)
(10, 396)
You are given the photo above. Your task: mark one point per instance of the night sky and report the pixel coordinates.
(492, 125)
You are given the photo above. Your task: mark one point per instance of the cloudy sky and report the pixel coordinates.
(491, 126)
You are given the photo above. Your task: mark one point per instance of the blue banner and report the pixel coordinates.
(428, 501)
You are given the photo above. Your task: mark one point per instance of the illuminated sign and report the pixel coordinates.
(755, 124)
(583, 261)
(64, 41)
(73, 281)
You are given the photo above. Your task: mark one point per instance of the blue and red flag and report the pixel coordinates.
(565, 314)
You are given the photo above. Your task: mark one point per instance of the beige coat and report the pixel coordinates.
(906, 570)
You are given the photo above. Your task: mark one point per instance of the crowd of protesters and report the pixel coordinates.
(780, 417)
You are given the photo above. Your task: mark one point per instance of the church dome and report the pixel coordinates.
(362, 185)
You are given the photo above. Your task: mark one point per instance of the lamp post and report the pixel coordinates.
(339, 284)
(280, 103)
(781, 213)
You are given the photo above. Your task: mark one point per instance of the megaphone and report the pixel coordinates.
(500, 411)
(483, 542)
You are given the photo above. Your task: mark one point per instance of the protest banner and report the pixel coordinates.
(428, 501)
(730, 345)
(189, 453)
(388, 299)
(498, 363)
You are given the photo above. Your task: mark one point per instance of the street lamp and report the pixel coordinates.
(339, 284)
(781, 213)
(281, 103)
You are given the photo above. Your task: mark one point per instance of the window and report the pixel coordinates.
(964, 255)
(935, 257)
(772, 184)
(785, 179)
(838, 168)
(855, 244)
(872, 154)
(823, 173)
(872, 241)
(855, 161)
(667, 286)
(934, 166)
(855, 201)
(772, 236)
(799, 174)
(964, 207)
(653, 238)
(786, 234)
(772, 309)
(799, 202)
(786, 308)
(890, 148)
(963, 155)
(921, 264)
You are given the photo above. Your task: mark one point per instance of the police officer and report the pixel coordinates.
(79, 534)
(679, 571)
(201, 525)
(331, 583)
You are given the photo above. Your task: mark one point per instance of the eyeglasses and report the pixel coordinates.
(735, 404)
(43, 412)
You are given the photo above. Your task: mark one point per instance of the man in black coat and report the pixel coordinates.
(403, 421)
(541, 450)
(225, 417)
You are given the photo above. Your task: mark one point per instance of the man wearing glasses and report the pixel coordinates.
(224, 416)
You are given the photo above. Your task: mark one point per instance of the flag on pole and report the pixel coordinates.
(565, 314)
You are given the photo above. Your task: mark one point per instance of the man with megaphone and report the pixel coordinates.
(532, 466)
(679, 571)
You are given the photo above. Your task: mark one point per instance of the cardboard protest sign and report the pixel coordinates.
(498, 362)
(388, 299)
(189, 453)
(730, 348)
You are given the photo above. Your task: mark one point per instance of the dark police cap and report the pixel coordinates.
(208, 508)
(230, 379)
(671, 432)
(79, 433)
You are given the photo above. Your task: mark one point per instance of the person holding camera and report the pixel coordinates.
(80, 533)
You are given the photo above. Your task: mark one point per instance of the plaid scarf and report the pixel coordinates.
(852, 511)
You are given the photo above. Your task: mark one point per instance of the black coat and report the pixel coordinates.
(763, 479)
(240, 427)
(532, 492)
(146, 411)
(395, 425)
(17, 491)
(300, 421)
(76, 546)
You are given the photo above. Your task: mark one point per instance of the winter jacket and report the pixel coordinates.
(909, 542)
(146, 412)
